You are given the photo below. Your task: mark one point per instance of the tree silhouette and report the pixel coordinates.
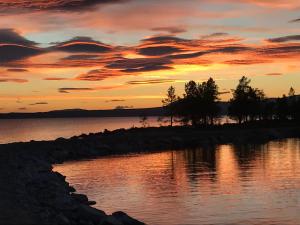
(143, 121)
(198, 104)
(210, 93)
(169, 103)
(246, 103)
(291, 92)
(282, 109)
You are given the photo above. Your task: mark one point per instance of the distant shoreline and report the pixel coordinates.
(78, 113)
(81, 113)
(26, 167)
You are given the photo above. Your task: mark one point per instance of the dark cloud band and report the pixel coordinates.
(38, 5)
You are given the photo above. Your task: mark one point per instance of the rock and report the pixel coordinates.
(125, 219)
(88, 213)
(62, 220)
(80, 198)
(72, 189)
(92, 203)
(110, 220)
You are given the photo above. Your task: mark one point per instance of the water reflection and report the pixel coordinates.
(244, 184)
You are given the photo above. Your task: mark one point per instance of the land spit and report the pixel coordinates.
(31, 193)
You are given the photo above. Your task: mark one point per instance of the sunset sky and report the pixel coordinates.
(99, 54)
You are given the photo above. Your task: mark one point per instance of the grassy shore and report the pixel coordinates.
(31, 193)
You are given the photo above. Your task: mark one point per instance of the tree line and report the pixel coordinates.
(199, 104)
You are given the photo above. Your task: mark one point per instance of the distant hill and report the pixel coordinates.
(73, 113)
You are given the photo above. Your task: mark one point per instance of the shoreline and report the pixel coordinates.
(34, 194)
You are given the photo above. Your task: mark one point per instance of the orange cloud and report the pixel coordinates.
(15, 80)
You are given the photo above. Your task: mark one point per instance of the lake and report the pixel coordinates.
(223, 185)
(15, 130)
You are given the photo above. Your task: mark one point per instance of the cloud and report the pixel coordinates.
(98, 74)
(83, 44)
(18, 70)
(140, 64)
(13, 52)
(159, 39)
(156, 53)
(40, 5)
(10, 36)
(55, 78)
(188, 55)
(231, 49)
(123, 107)
(68, 90)
(246, 61)
(22, 108)
(283, 50)
(147, 69)
(276, 4)
(294, 21)
(80, 57)
(15, 80)
(274, 74)
(215, 35)
(116, 100)
(15, 47)
(225, 50)
(124, 67)
(40, 103)
(171, 30)
(159, 50)
(154, 81)
(285, 39)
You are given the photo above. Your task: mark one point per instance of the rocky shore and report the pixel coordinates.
(31, 193)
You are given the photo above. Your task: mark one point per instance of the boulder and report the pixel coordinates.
(92, 203)
(61, 219)
(125, 219)
(91, 214)
(80, 198)
(110, 220)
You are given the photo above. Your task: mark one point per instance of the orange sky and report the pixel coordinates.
(96, 54)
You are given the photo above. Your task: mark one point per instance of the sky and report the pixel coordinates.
(102, 54)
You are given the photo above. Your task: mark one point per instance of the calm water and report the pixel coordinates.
(247, 185)
(15, 130)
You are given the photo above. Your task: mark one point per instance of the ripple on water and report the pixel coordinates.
(249, 185)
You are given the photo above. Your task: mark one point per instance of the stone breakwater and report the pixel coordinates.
(37, 195)
(31, 193)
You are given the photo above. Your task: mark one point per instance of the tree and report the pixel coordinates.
(199, 103)
(282, 108)
(291, 92)
(143, 121)
(246, 103)
(169, 103)
(292, 104)
(189, 106)
(210, 97)
(268, 109)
